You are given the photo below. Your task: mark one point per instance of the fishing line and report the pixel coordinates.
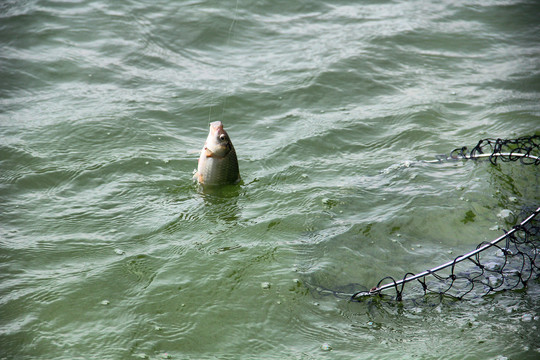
(229, 35)
(227, 42)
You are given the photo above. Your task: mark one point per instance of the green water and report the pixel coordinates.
(109, 251)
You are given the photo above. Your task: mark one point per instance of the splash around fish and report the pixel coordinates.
(218, 164)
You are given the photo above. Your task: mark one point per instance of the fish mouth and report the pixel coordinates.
(216, 129)
(218, 132)
(218, 143)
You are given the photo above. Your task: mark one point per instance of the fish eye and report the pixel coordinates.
(222, 137)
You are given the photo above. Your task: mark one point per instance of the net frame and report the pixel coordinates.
(520, 253)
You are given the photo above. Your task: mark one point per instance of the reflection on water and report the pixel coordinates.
(221, 202)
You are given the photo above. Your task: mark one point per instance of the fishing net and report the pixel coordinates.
(509, 262)
(525, 149)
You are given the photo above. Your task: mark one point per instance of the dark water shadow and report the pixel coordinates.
(221, 202)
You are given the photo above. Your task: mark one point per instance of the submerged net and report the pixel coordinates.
(506, 263)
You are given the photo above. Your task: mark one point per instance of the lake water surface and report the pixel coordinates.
(108, 250)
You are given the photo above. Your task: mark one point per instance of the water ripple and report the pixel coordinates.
(105, 239)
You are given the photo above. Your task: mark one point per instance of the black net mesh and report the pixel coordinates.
(525, 149)
(506, 263)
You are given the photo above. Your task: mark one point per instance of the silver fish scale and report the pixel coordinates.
(221, 170)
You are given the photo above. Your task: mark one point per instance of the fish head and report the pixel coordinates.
(218, 141)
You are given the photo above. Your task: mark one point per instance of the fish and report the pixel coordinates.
(218, 164)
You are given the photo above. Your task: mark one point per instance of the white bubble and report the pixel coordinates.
(326, 347)
(505, 214)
